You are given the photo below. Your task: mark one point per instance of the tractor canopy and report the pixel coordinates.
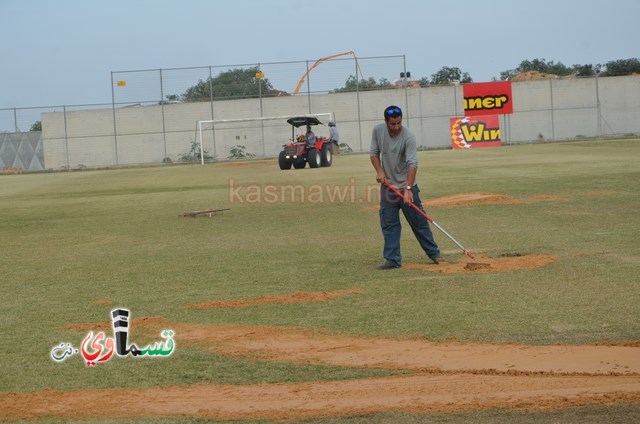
(299, 121)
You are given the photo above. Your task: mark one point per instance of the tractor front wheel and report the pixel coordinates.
(283, 161)
(299, 163)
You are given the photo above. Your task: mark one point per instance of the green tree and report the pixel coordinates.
(586, 70)
(538, 65)
(613, 68)
(235, 83)
(507, 75)
(447, 75)
(37, 126)
(354, 84)
(621, 67)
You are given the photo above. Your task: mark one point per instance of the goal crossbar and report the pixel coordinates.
(328, 115)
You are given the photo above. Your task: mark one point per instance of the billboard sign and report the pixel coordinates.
(473, 132)
(487, 98)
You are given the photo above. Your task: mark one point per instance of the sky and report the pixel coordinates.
(62, 52)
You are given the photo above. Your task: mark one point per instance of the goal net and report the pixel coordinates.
(253, 133)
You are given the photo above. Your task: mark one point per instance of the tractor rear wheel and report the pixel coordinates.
(326, 155)
(313, 157)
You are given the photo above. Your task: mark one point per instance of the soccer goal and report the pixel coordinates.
(324, 117)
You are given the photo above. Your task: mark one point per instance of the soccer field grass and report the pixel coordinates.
(77, 244)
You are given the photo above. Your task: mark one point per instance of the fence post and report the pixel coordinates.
(598, 108)
(213, 125)
(308, 87)
(358, 102)
(553, 126)
(164, 128)
(406, 95)
(66, 138)
(115, 128)
(455, 100)
(421, 113)
(261, 112)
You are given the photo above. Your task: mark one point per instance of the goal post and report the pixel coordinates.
(326, 115)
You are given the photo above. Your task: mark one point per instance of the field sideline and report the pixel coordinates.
(295, 256)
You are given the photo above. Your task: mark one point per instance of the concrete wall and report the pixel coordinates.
(548, 109)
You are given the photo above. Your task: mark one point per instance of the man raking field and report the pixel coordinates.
(394, 157)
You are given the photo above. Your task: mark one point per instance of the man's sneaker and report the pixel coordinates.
(388, 265)
(437, 259)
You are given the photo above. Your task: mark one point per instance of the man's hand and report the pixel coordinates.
(408, 196)
(380, 177)
(411, 178)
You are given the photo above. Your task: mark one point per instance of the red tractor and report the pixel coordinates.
(302, 151)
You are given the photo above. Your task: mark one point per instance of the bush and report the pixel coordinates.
(194, 155)
(238, 152)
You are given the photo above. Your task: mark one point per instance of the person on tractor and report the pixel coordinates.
(310, 137)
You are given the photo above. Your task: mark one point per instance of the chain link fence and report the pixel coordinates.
(153, 114)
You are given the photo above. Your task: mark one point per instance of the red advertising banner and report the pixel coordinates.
(487, 98)
(478, 131)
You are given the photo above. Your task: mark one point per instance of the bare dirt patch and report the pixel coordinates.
(486, 264)
(302, 345)
(481, 198)
(470, 199)
(448, 377)
(300, 297)
(11, 170)
(533, 76)
(467, 199)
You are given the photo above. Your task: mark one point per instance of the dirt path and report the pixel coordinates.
(452, 376)
(415, 393)
(305, 346)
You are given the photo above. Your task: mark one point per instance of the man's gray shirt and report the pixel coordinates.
(397, 154)
(334, 135)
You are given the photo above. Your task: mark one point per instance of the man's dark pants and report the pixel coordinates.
(390, 206)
